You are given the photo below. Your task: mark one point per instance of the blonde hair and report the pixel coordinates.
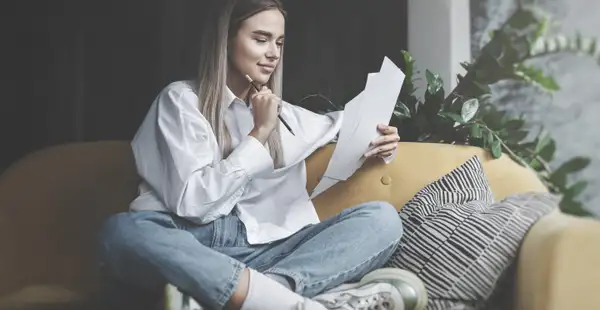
(213, 68)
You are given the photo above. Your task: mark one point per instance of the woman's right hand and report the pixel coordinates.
(265, 109)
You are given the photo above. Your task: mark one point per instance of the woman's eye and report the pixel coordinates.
(259, 40)
(280, 44)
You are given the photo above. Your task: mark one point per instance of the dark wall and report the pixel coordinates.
(83, 70)
(75, 70)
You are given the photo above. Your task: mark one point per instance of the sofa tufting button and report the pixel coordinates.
(386, 180)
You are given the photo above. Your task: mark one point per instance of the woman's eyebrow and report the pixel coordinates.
(266, 34)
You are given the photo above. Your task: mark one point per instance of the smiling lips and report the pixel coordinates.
(268, 68)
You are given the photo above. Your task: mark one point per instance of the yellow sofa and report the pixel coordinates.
(53, 201)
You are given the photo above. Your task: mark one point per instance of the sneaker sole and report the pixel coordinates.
(173, 298)
(380, 275)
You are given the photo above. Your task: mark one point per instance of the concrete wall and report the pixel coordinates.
(572, 114)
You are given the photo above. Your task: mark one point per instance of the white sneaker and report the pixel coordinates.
(382, 289)
(176, 300)
(372, 296)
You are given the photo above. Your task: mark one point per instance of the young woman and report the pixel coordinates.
(223, 215)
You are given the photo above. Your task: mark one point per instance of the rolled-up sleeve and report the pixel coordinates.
(176, 157)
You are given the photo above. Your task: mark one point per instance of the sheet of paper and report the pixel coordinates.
(350, 121)
(376, 106)
(349, 124)
(373, 106)
(324, 184)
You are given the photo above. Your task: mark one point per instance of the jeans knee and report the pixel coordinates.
(114, 226)
(112, 234)
(125, 250)
(384, 216)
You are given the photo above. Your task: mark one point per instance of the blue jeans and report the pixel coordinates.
(147, 249)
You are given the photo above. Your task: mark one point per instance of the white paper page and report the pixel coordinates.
(346, 163)
(349, 123)
(354, 114)
(348, 126)
(351, 118)
(324, 184)
(376, 107)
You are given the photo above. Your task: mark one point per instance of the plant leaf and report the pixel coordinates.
(560, 43)
(469, 109)
(533, 75)
(400, 115)
(535, 164)
(483, 88)
(488, 139)
(572, 207)
(559, 179)
(576, 189)
(466, 65)
(574, 165)
(409, 63)
(402, 110)
(452, 116)
(493, 117)
(476, 131)
(514, 124)
(497, 148)
(516, 135)
(559, 176)
(409, 67)
(542, 141)
(545, 148)
(434, 82)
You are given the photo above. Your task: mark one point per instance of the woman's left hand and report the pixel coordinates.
(386, 144)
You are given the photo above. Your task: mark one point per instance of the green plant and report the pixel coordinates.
(468, 116)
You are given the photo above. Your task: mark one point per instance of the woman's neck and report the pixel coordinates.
(238, 85)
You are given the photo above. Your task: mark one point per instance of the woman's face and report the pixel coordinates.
(256, 49)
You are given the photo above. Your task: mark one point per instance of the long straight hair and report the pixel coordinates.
(213, 68)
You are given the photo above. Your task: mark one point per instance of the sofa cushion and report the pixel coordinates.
(55, 200)
(459, 241)
(42, 297)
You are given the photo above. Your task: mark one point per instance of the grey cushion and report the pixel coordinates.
(459, 241)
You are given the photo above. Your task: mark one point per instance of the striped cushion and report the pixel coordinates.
(459, 241)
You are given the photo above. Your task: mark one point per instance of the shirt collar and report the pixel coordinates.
(229, 97)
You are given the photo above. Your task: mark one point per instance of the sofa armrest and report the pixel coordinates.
(558, 265)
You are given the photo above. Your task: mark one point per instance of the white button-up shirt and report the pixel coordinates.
(183, 172)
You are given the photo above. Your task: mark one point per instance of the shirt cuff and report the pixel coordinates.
(252, 156)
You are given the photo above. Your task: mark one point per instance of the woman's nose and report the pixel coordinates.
(273, 51)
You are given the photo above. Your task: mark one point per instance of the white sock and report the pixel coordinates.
(281, 279)
(265, 293)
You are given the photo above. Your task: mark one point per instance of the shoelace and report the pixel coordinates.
(379, 301)
(376, 302)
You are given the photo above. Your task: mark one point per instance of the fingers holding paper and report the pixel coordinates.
(388, 130)
(384, 145)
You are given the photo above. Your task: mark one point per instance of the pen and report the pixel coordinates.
(279, 116)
